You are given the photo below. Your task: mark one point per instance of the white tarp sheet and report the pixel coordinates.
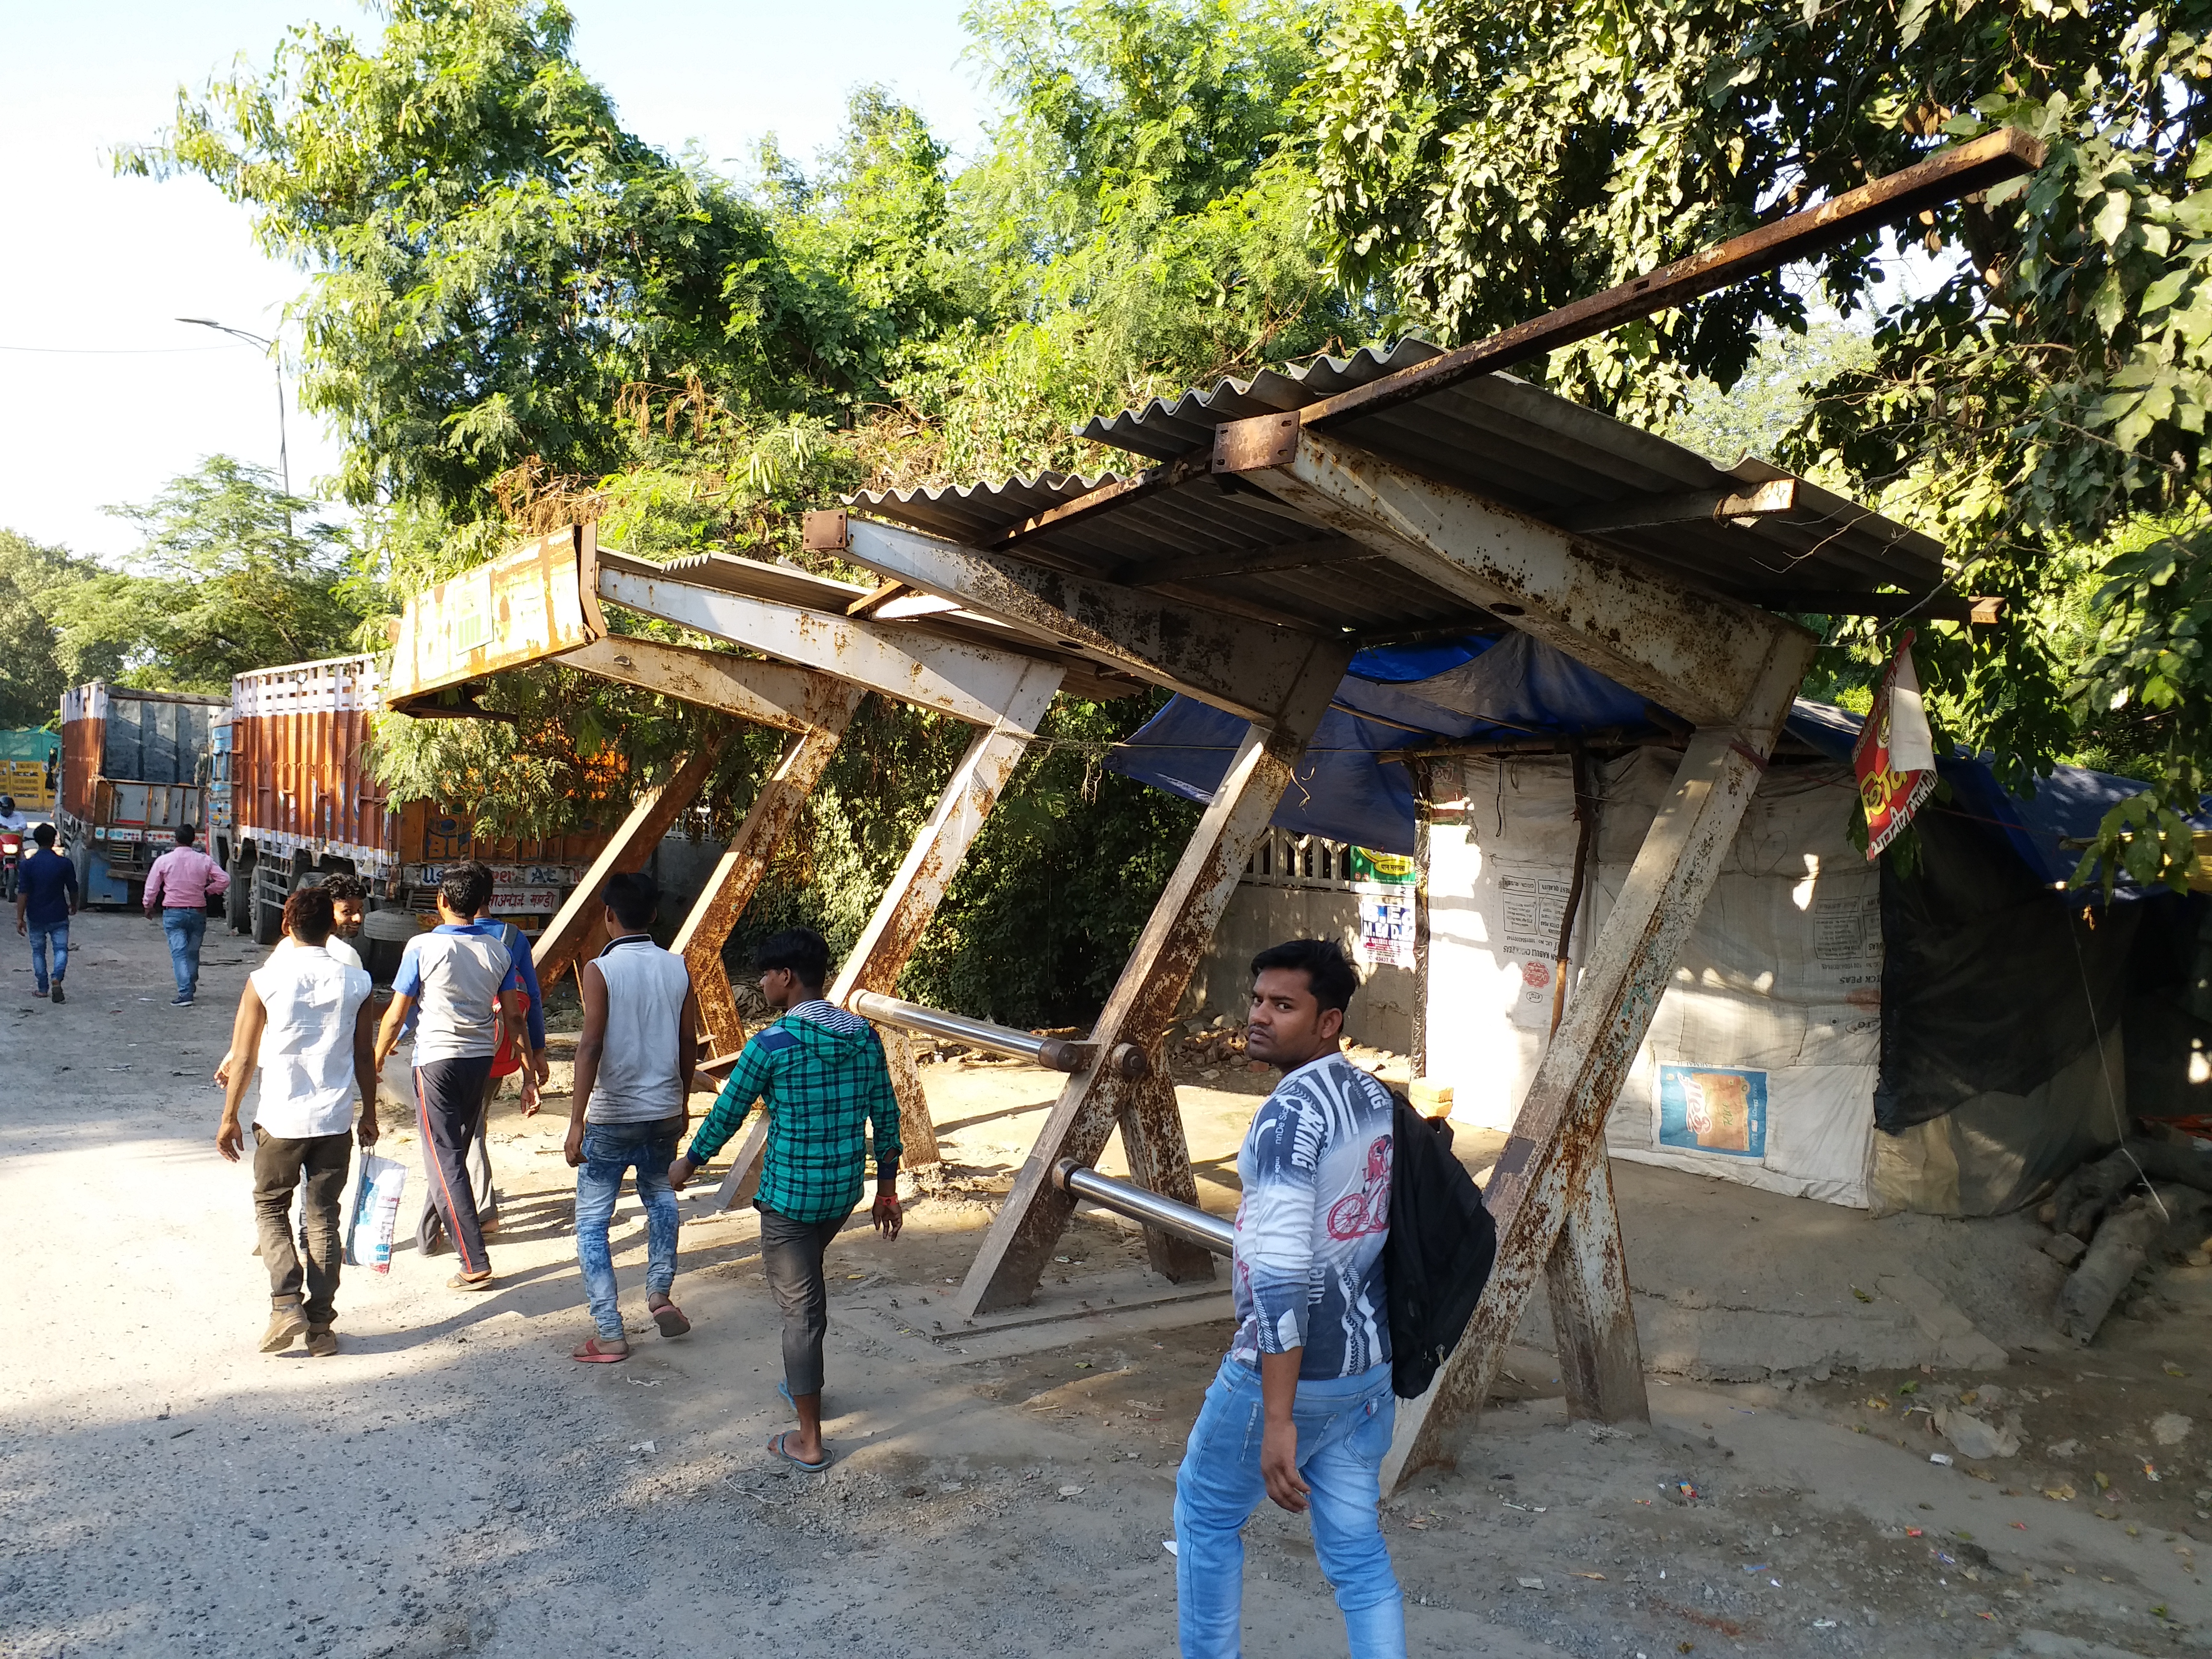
(1759, 1065)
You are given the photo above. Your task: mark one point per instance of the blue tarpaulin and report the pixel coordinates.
(1397, 698)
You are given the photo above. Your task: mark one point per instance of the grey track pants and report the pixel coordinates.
(791, 1256)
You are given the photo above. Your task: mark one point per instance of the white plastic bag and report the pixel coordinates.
(374, 1217)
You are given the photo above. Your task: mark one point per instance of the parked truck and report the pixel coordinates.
(293, 801)
(134, 766)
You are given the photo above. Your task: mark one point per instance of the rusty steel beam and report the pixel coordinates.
(971, 682)
(1693, 506)
(1558, 1142)
(1141, 1008)
(1692, 651)
(1593, 1321)
(1230, 661)
(739, 874)
(657, 809)
(1974, 165)
(771, 694)
(915, 890)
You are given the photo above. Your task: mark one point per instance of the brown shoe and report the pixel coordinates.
(285, 1323)
(322, 1342)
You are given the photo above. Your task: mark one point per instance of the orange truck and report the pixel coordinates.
(291, 802)
(133, 768)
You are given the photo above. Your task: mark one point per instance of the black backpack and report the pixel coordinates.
(1438, 1253)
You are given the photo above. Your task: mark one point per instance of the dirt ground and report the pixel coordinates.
(451, 1483)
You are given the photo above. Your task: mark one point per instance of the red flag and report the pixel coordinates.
(1895, 757)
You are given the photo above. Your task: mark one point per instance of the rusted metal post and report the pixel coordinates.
(558, 947)
(1557, 1142)
(1593, 1320)
(1142, 1007)
(774, 810)
(900, 916)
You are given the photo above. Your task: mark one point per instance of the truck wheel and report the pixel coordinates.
(268, 919)
(238, 902)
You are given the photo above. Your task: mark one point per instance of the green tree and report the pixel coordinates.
(2047, 393)
(233, 574)
(32, 674)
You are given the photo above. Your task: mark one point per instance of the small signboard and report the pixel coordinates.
(1385, 884)
(521, 607)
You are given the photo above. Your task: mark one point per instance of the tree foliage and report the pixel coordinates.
(32, 675)
(2045, 394)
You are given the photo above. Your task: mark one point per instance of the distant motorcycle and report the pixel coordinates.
(11, 858)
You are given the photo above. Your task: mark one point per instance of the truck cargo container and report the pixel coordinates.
(134, 766)
(294, 801)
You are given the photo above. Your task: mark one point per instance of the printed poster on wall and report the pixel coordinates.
(1385, 884)
(1895, 756)
(1713, 1108)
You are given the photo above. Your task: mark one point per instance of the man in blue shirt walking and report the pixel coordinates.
(45, 898)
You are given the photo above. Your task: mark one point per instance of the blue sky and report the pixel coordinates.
(118, 397)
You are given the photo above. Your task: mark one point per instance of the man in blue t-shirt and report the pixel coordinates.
(46, 896)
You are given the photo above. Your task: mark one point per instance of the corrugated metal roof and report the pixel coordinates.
(1182, 531)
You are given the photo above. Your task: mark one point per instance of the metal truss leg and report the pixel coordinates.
(901, 915)
(775, 809)
(562, 942)
(1142, 1007)
(1557, 1151)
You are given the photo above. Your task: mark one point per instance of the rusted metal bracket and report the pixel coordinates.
(1693, 651)
(570, 932)
(1232, 662)
(1538, 1191)
(739, 874)
(771, 694)
(916, 888)
(1142, 1005)
(1959, 171)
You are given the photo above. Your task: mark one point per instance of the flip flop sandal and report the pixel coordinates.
(670, 1318)
(460, 1283)
(776, 1446)
(592, 1354)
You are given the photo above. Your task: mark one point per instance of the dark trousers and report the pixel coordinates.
(791, 1256)
(449, 1106)
(280, 1167)
(429, 1229)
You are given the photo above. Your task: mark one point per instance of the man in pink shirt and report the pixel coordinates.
(178, 888)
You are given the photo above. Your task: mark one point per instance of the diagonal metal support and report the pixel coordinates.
(903, 912)
(657, 809)
(1558, 1145)
(1692, 651)
(771, 694)
(739, 874)
(1142, 1007)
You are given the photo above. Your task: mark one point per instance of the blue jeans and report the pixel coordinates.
(610, 1152)
(185, 929)
(1344, 1431)
(58, 935)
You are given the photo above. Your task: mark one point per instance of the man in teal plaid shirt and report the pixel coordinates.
(820, 1075)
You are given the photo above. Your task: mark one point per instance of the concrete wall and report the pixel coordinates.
(1267, 912)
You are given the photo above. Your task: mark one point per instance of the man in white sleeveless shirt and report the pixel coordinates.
(630, 1107)
(303, 1026)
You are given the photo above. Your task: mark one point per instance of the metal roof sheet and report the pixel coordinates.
(1182, 531)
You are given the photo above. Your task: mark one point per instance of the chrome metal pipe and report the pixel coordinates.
(1061, 1054)
(1209, 1232)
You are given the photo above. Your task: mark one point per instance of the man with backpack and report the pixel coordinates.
(1301, 1409)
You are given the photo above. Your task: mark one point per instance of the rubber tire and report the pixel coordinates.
(268, 919)
(238, 902)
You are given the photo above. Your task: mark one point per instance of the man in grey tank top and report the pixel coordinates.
(631, 1104)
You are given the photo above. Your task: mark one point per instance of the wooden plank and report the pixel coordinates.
(739, 874)
(1144, 1000)
(1558, 1138)
(1828, 602)
(1177, 567)
(657, 809)
(1692, 651)
(1971, 166)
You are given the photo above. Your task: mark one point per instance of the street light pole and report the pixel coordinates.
(284, 449)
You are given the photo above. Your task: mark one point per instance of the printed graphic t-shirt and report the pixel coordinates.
(1316, 1169)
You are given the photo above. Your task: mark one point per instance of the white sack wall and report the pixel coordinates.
(1760, 1066)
